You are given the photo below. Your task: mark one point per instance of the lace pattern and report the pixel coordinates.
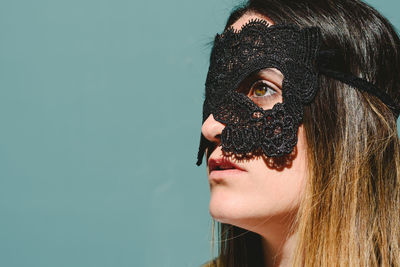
(238, 54)
(296, 53)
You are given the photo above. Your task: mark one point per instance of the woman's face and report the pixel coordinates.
(257, 192)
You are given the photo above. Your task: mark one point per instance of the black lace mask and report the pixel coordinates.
(249, 129)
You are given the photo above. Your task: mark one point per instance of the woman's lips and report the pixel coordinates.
(220, 168)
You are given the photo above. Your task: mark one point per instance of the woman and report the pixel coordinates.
(299, 131)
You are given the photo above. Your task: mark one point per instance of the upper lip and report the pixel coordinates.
(221, 164)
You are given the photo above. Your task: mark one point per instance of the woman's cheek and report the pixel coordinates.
(261, 195)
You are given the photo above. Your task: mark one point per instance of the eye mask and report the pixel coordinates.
(236, 55)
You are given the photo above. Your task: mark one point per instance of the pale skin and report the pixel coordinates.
(258, 197)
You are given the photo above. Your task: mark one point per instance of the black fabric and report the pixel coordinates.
(295, 52)
(324, 66)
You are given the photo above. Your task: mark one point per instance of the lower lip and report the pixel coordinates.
(220, 174)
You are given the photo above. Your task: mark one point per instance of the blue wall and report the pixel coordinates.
(100, 112)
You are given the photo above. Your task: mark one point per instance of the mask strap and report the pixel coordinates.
(327, 57)
(204, 144)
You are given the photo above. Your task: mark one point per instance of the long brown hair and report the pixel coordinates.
(350, 212)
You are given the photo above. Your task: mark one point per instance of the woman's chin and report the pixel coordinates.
(224, 217)
(246, 212)
(236, 217)
(226, 208)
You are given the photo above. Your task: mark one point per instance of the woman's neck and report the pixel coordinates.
(278, 249)
(278, 239)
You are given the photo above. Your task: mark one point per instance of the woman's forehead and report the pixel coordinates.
(237, 25)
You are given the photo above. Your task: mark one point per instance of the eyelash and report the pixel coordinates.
(264, 86)
(268, 95)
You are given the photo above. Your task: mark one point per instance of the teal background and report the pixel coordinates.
(100, 112)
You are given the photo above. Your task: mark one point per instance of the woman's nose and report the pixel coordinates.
(212, 129)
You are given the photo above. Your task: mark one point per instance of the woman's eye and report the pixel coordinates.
(261, 89)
